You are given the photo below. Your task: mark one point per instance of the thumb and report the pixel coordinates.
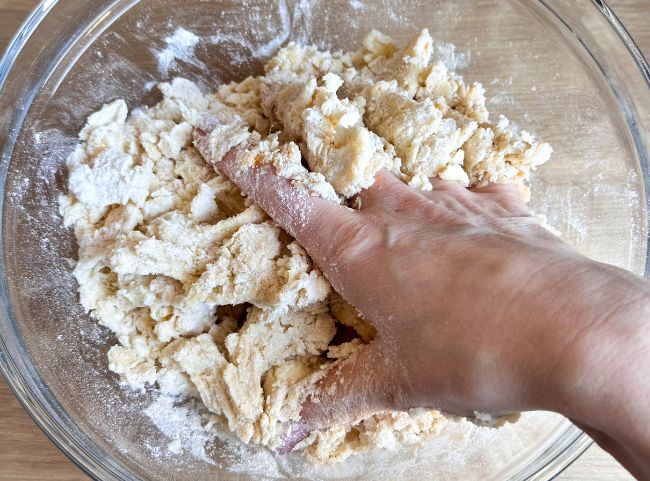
(348, 393)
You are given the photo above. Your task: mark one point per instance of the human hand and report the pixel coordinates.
(477, 307)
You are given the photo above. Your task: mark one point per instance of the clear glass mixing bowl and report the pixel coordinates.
(566, 70)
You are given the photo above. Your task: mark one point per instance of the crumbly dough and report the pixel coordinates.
(206, 295)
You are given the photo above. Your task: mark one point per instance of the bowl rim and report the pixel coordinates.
(89, 463)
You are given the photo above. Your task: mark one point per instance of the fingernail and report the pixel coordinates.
(228, 159)
(297, 432)
(201, 142)
(207, 122)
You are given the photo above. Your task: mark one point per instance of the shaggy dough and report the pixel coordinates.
(206, 295)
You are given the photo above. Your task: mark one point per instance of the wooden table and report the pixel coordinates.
(25, 452)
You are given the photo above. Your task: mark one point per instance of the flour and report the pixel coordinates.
(447, 54)
(183, 425)
(180, 46)
(281, 34)
(265, 40)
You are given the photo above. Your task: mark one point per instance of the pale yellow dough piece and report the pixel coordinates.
(205, 294)
(330, 130)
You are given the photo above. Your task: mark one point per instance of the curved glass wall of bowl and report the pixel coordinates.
(565, 70)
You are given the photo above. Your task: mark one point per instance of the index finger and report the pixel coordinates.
(313, 221)
(302, 215)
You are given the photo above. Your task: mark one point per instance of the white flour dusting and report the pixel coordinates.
(357, 4)
(249, 460)
(180, 46)
(269, 35)
(283, 31)
(447, 54)
(183, 425)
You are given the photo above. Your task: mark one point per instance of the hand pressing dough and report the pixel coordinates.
(206, 295)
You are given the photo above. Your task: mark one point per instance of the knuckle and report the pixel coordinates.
(511, 201)
(350, 240)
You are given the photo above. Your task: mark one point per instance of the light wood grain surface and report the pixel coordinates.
(27, 454)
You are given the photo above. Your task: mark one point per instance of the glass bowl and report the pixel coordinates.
(565, 70)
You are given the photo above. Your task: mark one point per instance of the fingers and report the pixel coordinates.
(518, 193)
(386, 190)
(439, 184)
(506, 199)
(207, 123)
(493, 188)
(349, 392)
(511, 197)
(201, 139)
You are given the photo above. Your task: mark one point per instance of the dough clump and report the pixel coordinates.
(208, 297)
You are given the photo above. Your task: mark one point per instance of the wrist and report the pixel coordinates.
(604, 334)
